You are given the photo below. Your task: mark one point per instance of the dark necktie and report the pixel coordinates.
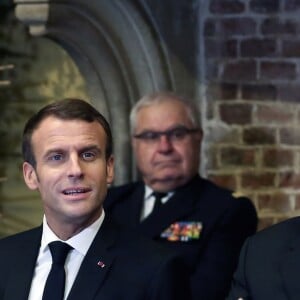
(157, 204)
(55, 284)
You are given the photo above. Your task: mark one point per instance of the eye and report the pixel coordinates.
(88, 155)
(55, 157)
(178, 133)
(149, 135)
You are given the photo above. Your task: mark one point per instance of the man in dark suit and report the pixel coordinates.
(269, 264)
(205, 224)
(67, 149)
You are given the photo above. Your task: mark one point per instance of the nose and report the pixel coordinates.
(74, 167)
(164, 144)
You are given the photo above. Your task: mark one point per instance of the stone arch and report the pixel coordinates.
(120, 48)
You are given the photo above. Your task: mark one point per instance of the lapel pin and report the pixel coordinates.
(101, 264)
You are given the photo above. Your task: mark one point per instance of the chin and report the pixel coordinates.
(166, 184)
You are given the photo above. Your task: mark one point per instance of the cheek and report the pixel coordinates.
(186, 153)
(144, 154)
(48, 179)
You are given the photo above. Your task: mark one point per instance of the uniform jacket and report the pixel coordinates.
(269, 264)
(222, 222)
(118, 265)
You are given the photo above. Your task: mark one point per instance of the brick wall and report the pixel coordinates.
(252, 124)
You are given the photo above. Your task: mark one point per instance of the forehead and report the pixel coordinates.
(163, 115)
(54, 131)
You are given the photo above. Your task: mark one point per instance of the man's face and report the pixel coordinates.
(166, 163)
(71, 171)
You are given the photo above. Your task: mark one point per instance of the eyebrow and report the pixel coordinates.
(91, 148)
(80, 150)
(175, 126)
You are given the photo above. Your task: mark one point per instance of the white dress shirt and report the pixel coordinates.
(149, 201)
(80, 243)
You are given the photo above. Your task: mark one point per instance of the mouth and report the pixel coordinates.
(76, 191)
(166, 164)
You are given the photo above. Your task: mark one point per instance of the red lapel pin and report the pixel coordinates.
(101, 264)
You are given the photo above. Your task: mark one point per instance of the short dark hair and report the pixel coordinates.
(66, 109)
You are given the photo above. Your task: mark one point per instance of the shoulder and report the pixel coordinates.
(18, 241)
(125, 188)
(277, 234)
(22, 236)
(122, 192)
(220, 197)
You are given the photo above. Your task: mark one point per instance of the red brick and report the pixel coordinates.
(231, 156)
(258, 180)
(278, 158)
(237, 26)
(297, 202)
(217, 48)
(223, 135)
(228, 91)
(255, 47)
(258, 92)
(278, 70)
(288, 92)
(278, 202)
(240, 70)
(226, 7)
(264, 6)
(273, 114)
(291, 48)
(290, 136)
(276, 26)
(289, 180)
(227, 181)
(212, 158)
(236, 113)
(259, 136)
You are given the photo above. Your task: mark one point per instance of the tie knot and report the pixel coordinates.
(159, 195)
(59, 252)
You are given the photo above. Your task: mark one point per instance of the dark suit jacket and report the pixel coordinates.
(227, 221)
(134, 268)
(269, 264)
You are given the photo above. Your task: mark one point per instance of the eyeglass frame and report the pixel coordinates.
(154, 136)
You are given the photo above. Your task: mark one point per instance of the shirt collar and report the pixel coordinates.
(149, 191)
(81, 241)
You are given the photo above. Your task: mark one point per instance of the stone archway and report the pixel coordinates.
(124, 49)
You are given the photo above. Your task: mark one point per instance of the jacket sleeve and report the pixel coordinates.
(239, 282)
(218, 259)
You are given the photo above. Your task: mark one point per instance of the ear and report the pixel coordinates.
(200, 135)
(30, 176)
(110, 169)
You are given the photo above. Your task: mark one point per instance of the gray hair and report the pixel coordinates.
(160, 97)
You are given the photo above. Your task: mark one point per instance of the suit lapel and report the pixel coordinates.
(136, 204)
(173, 210)
(23, 265)
(95, 266)
(290, 268)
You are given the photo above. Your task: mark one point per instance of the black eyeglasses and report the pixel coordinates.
(174, 135)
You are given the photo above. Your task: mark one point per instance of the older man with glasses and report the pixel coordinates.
(204, 223)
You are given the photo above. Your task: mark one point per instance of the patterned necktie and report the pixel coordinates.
(55, 284)
(157, 204)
